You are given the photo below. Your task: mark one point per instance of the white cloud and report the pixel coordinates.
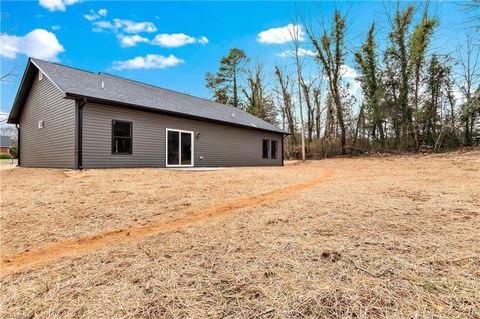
(203, 40)
(125, 26)
(38, 43)
(176, 40)
(91, 17)
(95, 15)
(56, 5)
(127, 31)
(120, 27)
(131, 40)
(56, 27)
(100, 26)
(281, 35)
(102, 12)
(301, 52)
(129, 26)
(150, 61)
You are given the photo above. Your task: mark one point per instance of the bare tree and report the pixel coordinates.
(473, 6)
(330, 119)
(467, 78)
(317, 101)
(5, 77)
(259, 100)
(287, 100)
(331, 55)
(296, 42)
(309, 102)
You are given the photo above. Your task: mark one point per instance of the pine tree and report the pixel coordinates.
(225, 83)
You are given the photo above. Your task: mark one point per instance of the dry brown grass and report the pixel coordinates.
(45, 205)
(393, 237)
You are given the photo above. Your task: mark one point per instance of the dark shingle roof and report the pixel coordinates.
(78, 83)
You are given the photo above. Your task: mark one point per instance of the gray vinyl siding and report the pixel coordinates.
(53, 145)
(220, 145)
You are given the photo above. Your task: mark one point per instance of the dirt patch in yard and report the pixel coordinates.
(384, 237)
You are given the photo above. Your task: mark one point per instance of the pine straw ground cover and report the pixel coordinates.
(395, 237)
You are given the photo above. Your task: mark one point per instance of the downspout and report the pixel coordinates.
(80, 133)
(283, 135)
(18, 144)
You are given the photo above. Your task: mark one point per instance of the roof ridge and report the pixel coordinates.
(63, 65)
(173, 91)
(140, 82)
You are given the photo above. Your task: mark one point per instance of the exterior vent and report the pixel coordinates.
(40, 75)
(233, 114)
(103, 85)
(41, 124)
(253, 124)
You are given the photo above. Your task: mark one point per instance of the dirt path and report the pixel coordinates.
(11, 263)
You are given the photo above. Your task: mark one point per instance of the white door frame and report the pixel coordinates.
(192, 133)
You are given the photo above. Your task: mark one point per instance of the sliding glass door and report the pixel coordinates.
(179, 148)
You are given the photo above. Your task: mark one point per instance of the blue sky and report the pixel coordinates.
(173, 44)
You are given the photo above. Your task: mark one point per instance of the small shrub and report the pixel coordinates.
(14, 151)
(4, 156)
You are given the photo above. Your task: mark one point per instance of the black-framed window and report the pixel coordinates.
(121, 137)
(265, 148)
(273, 148)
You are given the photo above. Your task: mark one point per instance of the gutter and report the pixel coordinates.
(18, 144)
(80, 105)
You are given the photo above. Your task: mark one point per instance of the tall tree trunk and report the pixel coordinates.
(396, 120)
(359, 121)
(417, 114)
(467, 132)
(287, 104)
(329, 121)
(434, 111)
(299, 77)
(452, 114)
(341, 123)
(310, 110)
(382, 133)
(316, 100)
(235, 93)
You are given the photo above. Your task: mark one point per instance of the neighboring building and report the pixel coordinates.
(70, 118)
(5, 144)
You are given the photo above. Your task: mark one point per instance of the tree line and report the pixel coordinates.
(412, 97)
